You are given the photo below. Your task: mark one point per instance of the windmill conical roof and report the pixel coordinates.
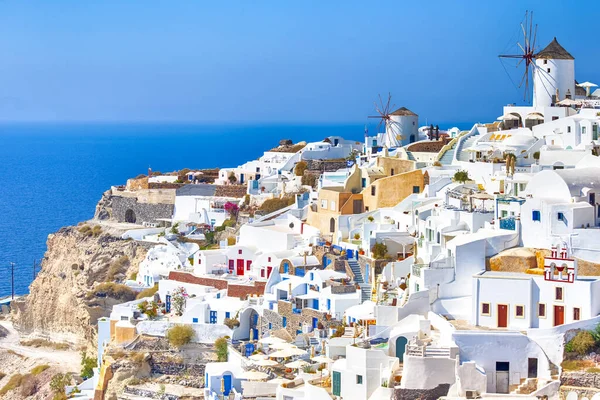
(554, 51)
(403, 111)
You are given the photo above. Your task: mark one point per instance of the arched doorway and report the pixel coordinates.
(332, 225)
(130, 216)
(401, 343)
(412, 138)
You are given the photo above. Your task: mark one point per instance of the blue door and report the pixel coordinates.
(213, 317)
(316, 304)
(401, 342)
(328, 304)
(315, 322)
(168, 303)
(249, 349)
(350, 254)
(226, 384)
(286, 267)
(255, 333)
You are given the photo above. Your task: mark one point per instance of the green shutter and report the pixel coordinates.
(337, 380)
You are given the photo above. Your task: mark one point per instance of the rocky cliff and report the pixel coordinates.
(65, 301)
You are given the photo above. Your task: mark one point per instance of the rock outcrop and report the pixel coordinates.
(62, 304)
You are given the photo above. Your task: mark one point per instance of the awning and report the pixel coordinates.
(536, 116)
(508, 117)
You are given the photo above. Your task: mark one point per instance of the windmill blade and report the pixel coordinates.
(534, 38)
(524, 35)
(530, 31)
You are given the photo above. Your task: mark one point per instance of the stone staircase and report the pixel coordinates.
(365, 288)
(463, 155)
(448, 156)
(410, 156)
(527, 386)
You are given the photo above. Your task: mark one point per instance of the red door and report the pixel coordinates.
(559, 315)
(248, 264)
(240, 267)
(502, 315)
(269, 269)
(231, 266)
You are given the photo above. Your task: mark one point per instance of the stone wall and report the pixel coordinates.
(433, 146)
(342, 289)
(580, 379)
(126, 209)
(325, 165)
(137, 184)
(149, 394)
(422, 394)
(294, 321)
(379, 264)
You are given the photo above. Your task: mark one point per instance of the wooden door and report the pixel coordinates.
(502, 316)
(240, 267)
(559, 315)
(269, 269)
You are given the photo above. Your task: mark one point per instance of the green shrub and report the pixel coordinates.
(229, 223)
(461, 176)
(300, 168)
(379, 250)
(58, 384)
(180, 335)
(113, 290)
(87, 365)
(272, 205)
(221, 349)
(147, 292)
(38, 369)
(582, 343)
(357, 236)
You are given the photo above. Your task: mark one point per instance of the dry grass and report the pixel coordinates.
(594, 370)
(14, 382)
(38, 369)
(44, 343)
(147, 292)
(112, 290)
(2, 375)
(577, 365)
(14, 353)
(117, 267)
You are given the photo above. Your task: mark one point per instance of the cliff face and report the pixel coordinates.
(62, 305)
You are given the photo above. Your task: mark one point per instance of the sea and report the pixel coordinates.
(53, 174)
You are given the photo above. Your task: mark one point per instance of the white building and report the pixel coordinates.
(554, 75)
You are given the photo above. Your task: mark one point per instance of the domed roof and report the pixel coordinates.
(519, 140)
(403, 112)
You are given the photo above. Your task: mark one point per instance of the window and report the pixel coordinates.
(240, 251)
(332, 205)
(124, 318)
(392, 172)
(485, 309)
(262, 273)
(583, 130)
(541, 310)
(195, 320)
(545, 62)
(576, 313)
(323, 203)
(363, 182)
(372, 190)
(227, 314)
(284, 322)
(561, 216)
(548, 70)
(269, 259)
(270, 326)
(213, 317)
(504, 214)
(568, 129)
(558, 294)
(536, 215)
(554, 118)
(416, 189)
(520, 311)
(359, 379)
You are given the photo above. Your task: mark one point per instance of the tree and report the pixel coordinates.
(461, 176)
(87, 365)
(59, 383)
(221, 349)
(379, 250)
(232, 179)
(536, 155)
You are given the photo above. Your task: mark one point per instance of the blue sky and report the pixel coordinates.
(270, 61)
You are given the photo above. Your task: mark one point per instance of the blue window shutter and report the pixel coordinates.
(227, 314)
(284, 322)
(195, 320)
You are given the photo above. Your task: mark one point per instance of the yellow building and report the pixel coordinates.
(389, 191)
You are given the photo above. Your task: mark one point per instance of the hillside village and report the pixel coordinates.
(415, 263)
